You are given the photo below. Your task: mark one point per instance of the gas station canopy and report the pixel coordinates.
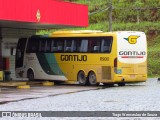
(42, 14)
(22, 18)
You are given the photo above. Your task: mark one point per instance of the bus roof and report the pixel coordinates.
(87, 33)
(77, 32)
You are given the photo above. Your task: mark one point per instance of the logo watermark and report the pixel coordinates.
(38, 114)
(21, 114)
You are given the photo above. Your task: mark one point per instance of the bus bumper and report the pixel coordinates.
(130, 78)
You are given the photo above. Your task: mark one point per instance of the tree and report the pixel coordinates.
(138, 4)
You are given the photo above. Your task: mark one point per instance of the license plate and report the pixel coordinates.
(132, 76)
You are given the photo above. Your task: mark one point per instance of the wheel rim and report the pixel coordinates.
(82, 78)
(92, 78)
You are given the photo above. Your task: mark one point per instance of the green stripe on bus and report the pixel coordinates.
(49, 64)
(51, 59)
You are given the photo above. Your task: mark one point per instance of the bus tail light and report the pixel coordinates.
(116, 69)
(115, 63)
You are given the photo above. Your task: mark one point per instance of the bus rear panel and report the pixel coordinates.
(131, 57)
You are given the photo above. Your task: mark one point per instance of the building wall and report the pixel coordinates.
(9, 45)
(10, 38)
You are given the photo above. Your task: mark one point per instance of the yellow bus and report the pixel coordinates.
(88, 57)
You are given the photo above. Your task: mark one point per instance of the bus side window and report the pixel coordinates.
(94, 45)
(106, 45)
(102, 46)
(105, 49)
(68, 49)
(84, 46)
(73, 46)
(33, 45)
(60, 47)
(67, 45)
(54, 47)
(96, 48)
(70, 46)
(78, 45)
(48, 45)
(42, 47)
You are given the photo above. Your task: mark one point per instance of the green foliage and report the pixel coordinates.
(123, 10)
(154, 63)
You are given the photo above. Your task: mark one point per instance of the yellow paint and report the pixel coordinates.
(11, 83)
(69, 82)
(132, 39)
(47, 83)
(71, 68)
(23, 87)
(135, 72)
(1, 75)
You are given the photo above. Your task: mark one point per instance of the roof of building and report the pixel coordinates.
(42, 14)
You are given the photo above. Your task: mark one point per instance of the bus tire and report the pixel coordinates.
(121, 84)
(58, 82)
(30, 75)
(82, 78)
(108, 84)
(92, 79)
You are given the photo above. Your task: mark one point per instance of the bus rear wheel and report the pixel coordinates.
(108, 84)
(82, 78)
(121, 84)
(30, 75)
(92, 79)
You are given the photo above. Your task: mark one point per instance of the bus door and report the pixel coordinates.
(20, 52)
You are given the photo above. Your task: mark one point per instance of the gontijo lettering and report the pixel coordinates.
(73, 57)
(132, 53)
